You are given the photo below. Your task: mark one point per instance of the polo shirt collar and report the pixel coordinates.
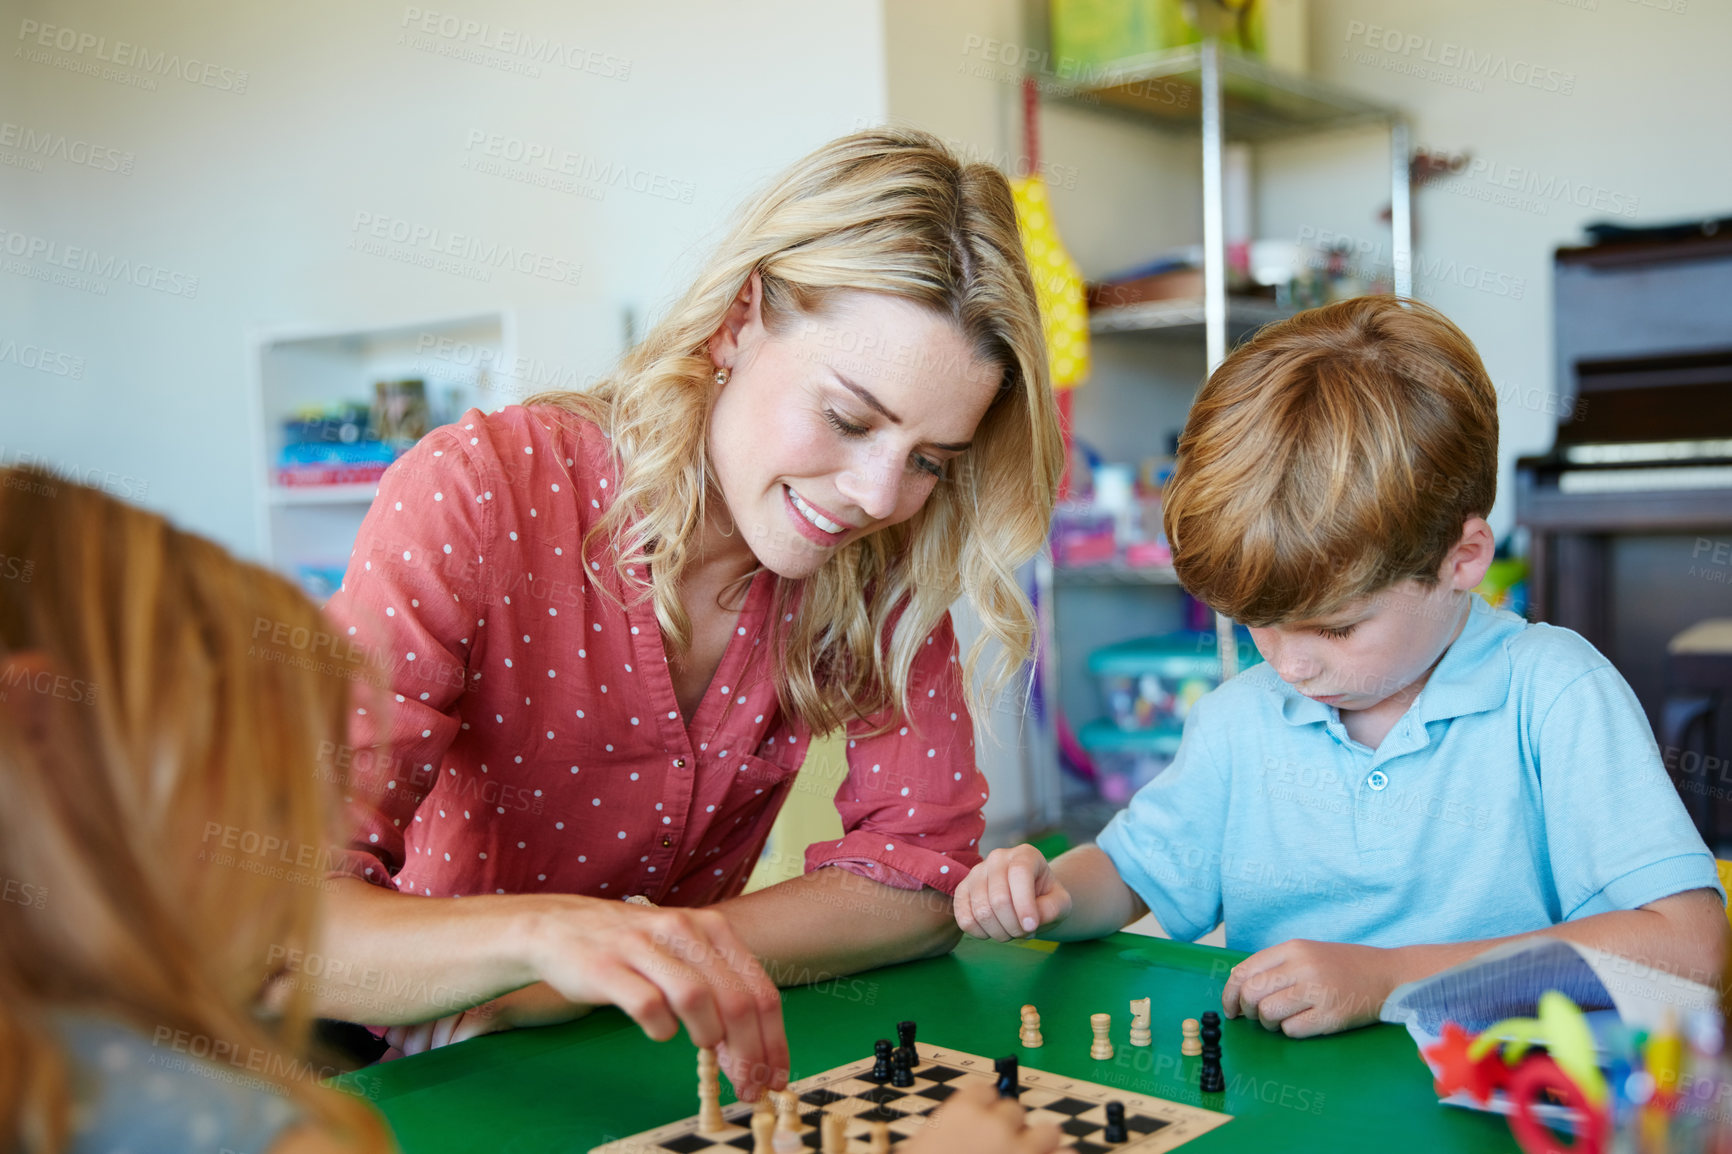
(1475, 672)
(1473, 675)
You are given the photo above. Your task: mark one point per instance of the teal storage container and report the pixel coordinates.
(1152, 682)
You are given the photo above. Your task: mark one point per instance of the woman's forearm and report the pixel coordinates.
(386, 958)
(832, 922)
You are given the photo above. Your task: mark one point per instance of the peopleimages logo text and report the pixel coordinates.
(1448, 54)
(124, 54)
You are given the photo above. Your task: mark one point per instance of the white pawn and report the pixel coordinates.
(787, 1135)
(1140, 1035)
(1102, 1047)
(1192, 1045)
(1030, 1032)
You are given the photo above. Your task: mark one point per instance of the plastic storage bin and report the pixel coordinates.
(1125, 761)
(1152, 682)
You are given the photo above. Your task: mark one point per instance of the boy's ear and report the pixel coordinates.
(744, 316)
(1467, 563)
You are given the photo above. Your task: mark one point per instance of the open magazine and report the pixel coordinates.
(1507, 981)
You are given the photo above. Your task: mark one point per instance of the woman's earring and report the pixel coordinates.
(721, 376)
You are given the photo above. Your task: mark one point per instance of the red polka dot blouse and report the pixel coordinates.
(528, 739)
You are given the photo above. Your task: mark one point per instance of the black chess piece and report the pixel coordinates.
(1116, 1123)
(1007, 1077)
(905, 1041)
(1210, 1079)
(901, 1071)
(880, 1061)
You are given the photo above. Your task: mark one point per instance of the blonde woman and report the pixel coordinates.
(615, 621)
(162, 828)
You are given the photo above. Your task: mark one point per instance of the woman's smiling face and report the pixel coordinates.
(840, 426)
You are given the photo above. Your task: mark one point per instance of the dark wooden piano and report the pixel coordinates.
(1630, 512)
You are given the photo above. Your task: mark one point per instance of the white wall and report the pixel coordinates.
(347, 111)
(1639, 131)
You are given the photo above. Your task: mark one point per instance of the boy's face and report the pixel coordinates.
(1385, 645)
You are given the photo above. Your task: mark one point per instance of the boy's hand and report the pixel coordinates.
(1011, 894)
(1304, 988)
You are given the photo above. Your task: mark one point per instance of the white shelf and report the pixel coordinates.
(1179, 315)
(308, 531)
(1258, 102)
(361, 493)
(1114, 573)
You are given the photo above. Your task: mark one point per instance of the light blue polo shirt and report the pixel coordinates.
(1522, 788)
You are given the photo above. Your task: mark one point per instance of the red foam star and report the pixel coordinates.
(1456, 1071)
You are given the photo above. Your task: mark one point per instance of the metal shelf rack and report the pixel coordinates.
(1222, 96)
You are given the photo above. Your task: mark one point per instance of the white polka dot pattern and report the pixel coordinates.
(500, 805)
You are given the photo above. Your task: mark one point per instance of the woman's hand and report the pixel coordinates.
(667, 968)
(1011, 894)
(975, 1120)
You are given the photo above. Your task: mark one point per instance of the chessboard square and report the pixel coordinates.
(692, 1143)
(883, 1094)
(1143, 1124)
(1076, 1127)
(744, 1142)
(821, 1097)
(937, 1093)
(850, 1106)
(813, 1139)
(1034, 1097)
(1068, 1106)
(852, 1087)
(937, 1073)
(812, 1117)
(1089, 1148)
(880, 1114)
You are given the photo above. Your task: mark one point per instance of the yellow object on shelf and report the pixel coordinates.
(1058, 285)
(1089, 36)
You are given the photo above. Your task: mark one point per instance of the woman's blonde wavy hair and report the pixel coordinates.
(160, 712)
(888, 211)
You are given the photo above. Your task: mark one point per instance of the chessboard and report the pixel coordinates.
(1077, 1107)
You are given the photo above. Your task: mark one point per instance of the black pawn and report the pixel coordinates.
(901, 1071)
(1007, 1077)
(1116, 1123)
(1210, 1079)
(880, 1061)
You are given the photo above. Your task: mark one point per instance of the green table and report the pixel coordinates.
(571, 1087)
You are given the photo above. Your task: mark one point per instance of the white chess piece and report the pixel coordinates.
(1102, 1047)
(1030, 1032)
(1140, 1035)
(710, 1120)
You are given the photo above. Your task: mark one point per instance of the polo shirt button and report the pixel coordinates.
(1378, 779)
(667, 841)
(679, 763)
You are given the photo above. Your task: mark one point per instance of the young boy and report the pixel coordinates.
(1413, 776)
